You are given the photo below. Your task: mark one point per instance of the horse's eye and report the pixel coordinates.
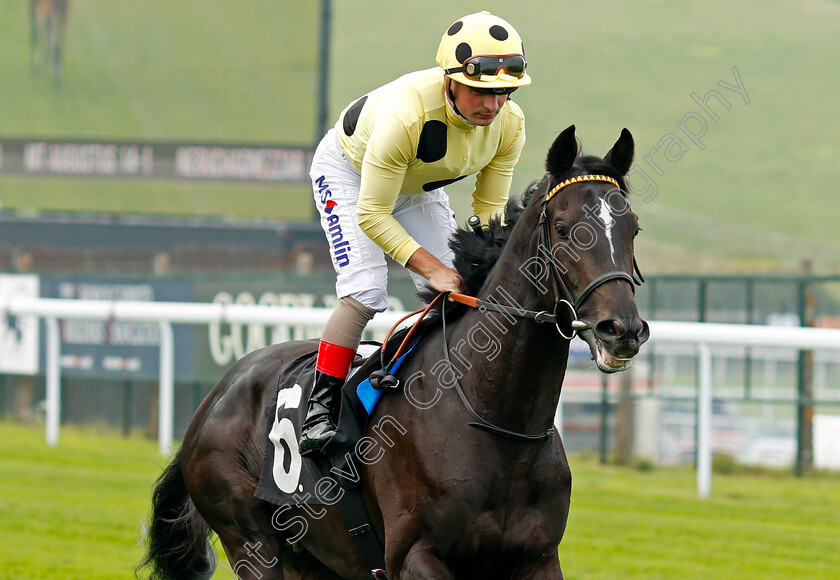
(562, 231)
(636, 233)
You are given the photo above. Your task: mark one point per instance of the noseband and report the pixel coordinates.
(562, 294)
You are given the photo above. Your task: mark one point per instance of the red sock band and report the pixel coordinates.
(335, 360)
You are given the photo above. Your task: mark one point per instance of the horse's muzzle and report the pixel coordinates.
(622, 338)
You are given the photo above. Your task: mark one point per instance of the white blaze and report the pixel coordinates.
(609, 222)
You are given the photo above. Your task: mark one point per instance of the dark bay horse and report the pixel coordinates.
(47, 28)
(477, 484)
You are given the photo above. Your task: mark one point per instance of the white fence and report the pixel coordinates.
(703, 335)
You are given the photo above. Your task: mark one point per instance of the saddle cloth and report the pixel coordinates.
(332, 476)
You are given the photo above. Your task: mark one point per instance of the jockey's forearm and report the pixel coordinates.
(381, 227)
(440, 277)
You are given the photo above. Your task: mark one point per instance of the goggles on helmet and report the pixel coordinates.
(479, 66)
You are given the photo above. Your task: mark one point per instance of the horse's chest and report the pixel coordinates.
(514, 529)
(500, 518)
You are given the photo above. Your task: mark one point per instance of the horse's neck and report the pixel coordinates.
(518, 363)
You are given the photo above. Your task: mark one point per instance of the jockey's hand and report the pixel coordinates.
(440, 277)
(446, 280)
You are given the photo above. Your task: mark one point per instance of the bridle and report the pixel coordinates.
(562, 295)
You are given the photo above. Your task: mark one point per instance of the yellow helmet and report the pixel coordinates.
(484, 51)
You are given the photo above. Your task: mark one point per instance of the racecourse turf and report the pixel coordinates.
(75, 512)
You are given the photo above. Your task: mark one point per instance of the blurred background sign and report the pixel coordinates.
(231, 162)
(114, 348)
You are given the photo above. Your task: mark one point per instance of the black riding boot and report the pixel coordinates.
(319, 426)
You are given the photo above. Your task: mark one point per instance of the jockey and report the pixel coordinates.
(378, 179)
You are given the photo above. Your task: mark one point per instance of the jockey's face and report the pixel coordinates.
(478, 106)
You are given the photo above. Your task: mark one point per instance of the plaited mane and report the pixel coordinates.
(476, 254)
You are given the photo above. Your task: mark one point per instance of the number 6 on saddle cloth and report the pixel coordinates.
(333, 476)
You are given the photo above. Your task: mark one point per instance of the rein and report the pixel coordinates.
(559, 286)
(562, 295)
(481, 422)
(422, 312)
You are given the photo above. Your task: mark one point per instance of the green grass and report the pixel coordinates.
(634, 524)
(209, 199)
(169, 71)
(75, 511)
(218, 70)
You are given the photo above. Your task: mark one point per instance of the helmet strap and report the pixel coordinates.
(450, 100)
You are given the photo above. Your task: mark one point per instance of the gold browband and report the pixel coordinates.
(578, 179)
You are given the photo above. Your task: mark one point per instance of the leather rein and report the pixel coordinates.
(562, 295)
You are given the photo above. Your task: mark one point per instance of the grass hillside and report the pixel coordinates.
(210, 71)
(756, 191)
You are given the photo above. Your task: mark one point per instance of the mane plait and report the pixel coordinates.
(477, 253)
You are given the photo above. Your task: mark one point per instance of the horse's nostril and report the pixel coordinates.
(644, 331)
(610, 329)
(638, 328)
(615, 329)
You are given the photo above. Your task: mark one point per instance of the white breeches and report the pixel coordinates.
(360, 263)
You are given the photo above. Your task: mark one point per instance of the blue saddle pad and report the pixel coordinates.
(288, 479)
(369, 396)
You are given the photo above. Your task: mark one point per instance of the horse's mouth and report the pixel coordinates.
(610, 364)
(606, 362)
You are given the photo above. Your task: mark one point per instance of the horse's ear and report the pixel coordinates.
(621, 155)
(562, 153)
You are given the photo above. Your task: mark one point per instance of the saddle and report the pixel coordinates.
(333, 476)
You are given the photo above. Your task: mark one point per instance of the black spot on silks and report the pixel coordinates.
(432, 144)
(498, 32)
(453, 30)
(351, 117)
(442, 183)
(463, 52)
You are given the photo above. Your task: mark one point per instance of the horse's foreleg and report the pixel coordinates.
(58, 48)
(266, 557)
(548, 569)
(33, 34)
(421, 562)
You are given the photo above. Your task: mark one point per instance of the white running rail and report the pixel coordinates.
(51, 310)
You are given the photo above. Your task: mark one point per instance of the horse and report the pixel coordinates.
(477, 483)
(48, 26)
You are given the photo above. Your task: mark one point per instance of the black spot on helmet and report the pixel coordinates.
(481, 34)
